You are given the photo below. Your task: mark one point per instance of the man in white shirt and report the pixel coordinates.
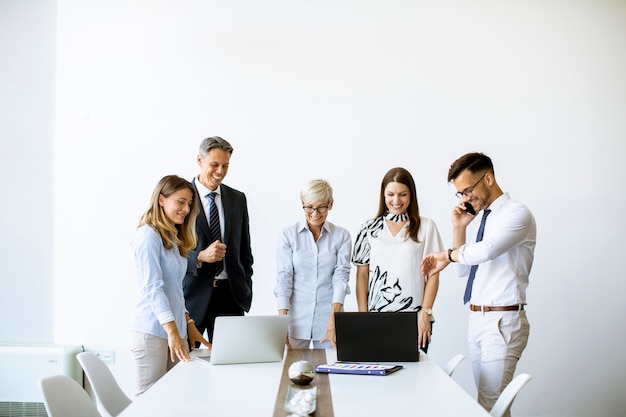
(501, 257)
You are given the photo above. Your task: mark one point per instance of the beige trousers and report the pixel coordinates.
(152, 359)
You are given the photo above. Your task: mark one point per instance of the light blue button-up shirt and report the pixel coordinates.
(160, 273)
(311, 276)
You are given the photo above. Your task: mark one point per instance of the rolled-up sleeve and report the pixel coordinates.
(510, 228)
(285, 270)
(341, 274)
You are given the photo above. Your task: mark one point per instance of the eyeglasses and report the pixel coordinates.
(320, 209)
(468, 191)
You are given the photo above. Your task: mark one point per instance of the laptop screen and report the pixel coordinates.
(377, 337)
(249, 339)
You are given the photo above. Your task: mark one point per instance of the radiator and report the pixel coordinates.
(21, 368)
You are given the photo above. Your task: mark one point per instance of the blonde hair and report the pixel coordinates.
(183, 235)
(316, 190)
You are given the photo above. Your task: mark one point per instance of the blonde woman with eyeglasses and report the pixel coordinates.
(313, 260)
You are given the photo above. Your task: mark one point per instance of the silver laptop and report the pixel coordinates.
(248, 339)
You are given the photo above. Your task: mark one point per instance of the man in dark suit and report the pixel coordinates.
(219, 271)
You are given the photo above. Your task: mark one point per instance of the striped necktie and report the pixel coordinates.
(214, 223)
(472, 274)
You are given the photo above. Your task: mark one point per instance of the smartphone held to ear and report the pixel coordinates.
(469, 208)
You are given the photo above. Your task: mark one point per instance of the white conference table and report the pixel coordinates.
(198, 388)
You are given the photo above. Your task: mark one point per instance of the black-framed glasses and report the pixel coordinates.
(469, 190)
(311, 209)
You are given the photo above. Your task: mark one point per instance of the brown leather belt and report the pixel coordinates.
(496, 308)
(219, 282)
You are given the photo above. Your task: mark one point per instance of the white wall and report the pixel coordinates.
(345, 90)
(27, 73)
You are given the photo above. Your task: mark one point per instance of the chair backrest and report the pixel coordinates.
(452, 363)
(64, 397)
(508, 395)
(103, 384)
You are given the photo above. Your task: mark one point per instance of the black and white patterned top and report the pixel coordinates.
(395, 280)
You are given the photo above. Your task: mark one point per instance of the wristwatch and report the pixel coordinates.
(428, 310)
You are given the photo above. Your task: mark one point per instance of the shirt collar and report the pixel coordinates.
(499, 202)
(204, 191)
(302, 225)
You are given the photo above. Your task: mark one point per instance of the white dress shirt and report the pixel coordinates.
(206, 203)
(311, 276)
(504, 256)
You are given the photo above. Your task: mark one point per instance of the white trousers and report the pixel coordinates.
(152, 359)
(496, 342)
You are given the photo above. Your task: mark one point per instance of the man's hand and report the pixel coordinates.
(434, 262)
(213, 253)
(460, 217)
(194, 336)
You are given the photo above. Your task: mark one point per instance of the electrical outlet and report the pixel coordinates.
(107, 356)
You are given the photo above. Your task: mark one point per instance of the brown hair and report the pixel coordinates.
(402, 176)
(474, 162)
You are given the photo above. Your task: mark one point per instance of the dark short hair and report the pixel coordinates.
(473, 162)
(214, 142)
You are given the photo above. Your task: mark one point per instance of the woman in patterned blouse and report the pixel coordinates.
(388, 252)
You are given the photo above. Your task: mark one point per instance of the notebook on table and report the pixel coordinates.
(357, 368)
(376, 337)
(248, 339)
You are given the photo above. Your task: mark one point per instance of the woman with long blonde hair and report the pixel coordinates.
(161, 324)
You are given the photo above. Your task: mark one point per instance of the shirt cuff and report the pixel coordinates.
(339, 297)
(283, 303)
(165, 317)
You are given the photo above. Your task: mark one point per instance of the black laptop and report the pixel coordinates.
(376, 337)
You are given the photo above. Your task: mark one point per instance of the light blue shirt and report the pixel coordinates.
(160, 274)
(311, 276)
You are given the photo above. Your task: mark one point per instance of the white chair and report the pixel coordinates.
(453, 363)
(64, 397)
(504, 401)
(103, 384)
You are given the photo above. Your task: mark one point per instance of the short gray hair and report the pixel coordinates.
(214, 142)
(316, 190)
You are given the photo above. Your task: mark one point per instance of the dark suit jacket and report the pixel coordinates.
(197, 284)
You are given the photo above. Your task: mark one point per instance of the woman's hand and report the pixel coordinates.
(330, 334)
(330, 327)
(423, 329)
(284, 312)
(178, 347)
